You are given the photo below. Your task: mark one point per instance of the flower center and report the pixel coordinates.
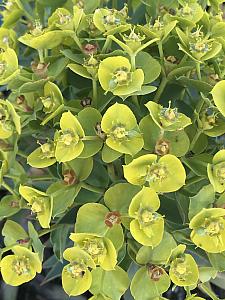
(158, 25)
(94, 247)
(64, 19)
(119, 132)
(37, 205)
(68, 138)
(121, 76)
(47, 150)
(213, 227)
(156, 172)
(38, 29)
(76, 269)
(47, 102)
(169, 114)
(145, 216)
(180, 268)
(21, 265)
(111, 20)
(186, 10)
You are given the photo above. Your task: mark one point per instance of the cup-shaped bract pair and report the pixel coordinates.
(52, 97)
(167, 118)
(183, 268)
(101, 249)
(115, 75)
(216, 171)
(9, 120)
(20, 267)
(76, 276)
(43, 156)
(197, 46)
(8, 65)
(40, 203)
(122, 132)
(208, 230)
(211, 121)
(61, 19)
(165, 174)
(148, 226)
(68, 140)
(39, 38)
(111, 21)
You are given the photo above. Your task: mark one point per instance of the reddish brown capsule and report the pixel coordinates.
(162, 147)
(40, 69)
(112, 218)
(86, 101)
(155, 272)
(70, 177)
(90, 49)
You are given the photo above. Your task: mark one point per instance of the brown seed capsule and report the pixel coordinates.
(90, 49)
(162, 147)
(40, 69)
(112, 218)
(99, 131)
(155, 272)
(70, 177)
(86, 101)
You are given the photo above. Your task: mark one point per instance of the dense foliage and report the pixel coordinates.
(112, 123)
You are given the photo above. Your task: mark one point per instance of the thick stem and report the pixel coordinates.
(107, 45)
(95, 93)
(41, 55)
(160, 90)
(198, 69)
(195, 138)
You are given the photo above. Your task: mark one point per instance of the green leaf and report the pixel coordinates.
(35, 241)
(13, 232)
(144, 61)
(59, 240)
(204, 199)
(112, 284)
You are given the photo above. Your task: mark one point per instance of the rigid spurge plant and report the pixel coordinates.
(112, 146)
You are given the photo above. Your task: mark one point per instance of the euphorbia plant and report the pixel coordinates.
(112, 137)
